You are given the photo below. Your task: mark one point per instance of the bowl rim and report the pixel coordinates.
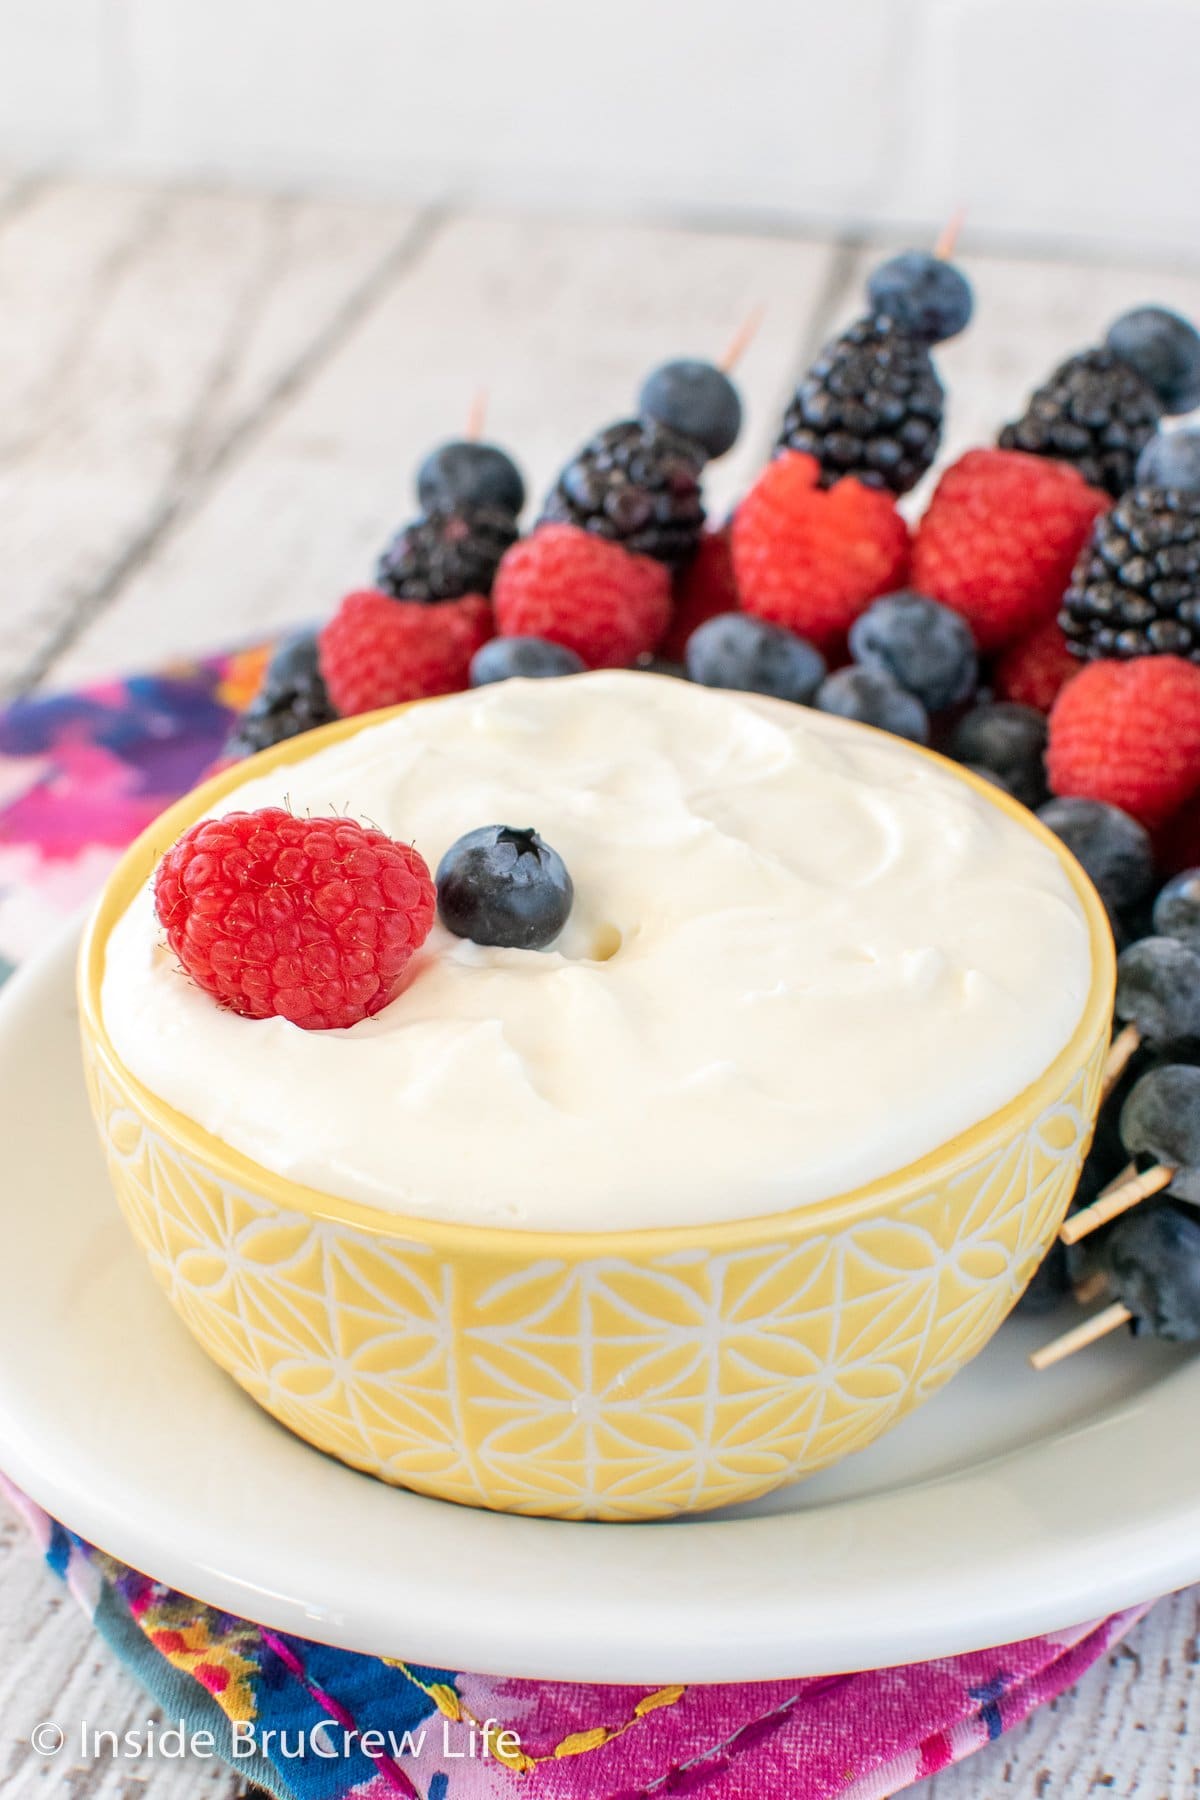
(882, 1193)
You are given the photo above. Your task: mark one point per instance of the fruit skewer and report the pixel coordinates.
(637, 483)
(872, 404)
(1160, 1119)
(470, 494)
(1099, 408)
(1158, 998)
(1150, 1262)
(1158, 1002)
(412, 634)
(623, 516)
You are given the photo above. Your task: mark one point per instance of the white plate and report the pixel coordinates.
(1012, 1504)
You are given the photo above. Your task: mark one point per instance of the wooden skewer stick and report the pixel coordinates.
(1129, 1189)
(742, 339)
(948, 237)
(1118, 1181)
(1093, 1287)
(1121, 1053)
(477, 415)
(1098, 1326)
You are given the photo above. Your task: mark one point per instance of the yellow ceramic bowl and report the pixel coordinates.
(622, 1375)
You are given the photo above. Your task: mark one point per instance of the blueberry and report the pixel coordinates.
(292, 698)
(532, 658)
(927, 648)
(1107, 1157)
(1152, 1259)
(696, 399)
(1028, 792)
(293, 665)
(1007, 741)
(1171, 459)
(501, 885)
(1161, 1120)
(993, 777)
(1121, 935)
(467, 474)
(736, 650)
(1049, 1284)
(1158, 989)
(923, 294)
(1165, 351)
(1177, 909)
(1114, 849)
(874, 699)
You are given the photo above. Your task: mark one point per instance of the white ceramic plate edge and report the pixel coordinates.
(1102, 1516)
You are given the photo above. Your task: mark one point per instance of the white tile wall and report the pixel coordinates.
(58, 77)
(1063, 117)
(1056, 121)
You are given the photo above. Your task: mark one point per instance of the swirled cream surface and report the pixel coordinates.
(801, 955)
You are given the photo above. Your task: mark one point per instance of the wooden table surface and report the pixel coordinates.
(211, 405)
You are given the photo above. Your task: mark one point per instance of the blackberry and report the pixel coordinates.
(293, 698)
(446, 553)
(1136, 588)
(1095, 412)
(638, 484)
(870, 406)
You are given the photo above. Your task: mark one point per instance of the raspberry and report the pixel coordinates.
(376, 651)
(312, 920)
(813, 558)
(1000, 538)
(1129, 733)
(1033, 670)
(576, 588)
(703, 588)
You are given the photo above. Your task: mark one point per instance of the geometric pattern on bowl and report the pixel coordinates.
(622, 1386)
